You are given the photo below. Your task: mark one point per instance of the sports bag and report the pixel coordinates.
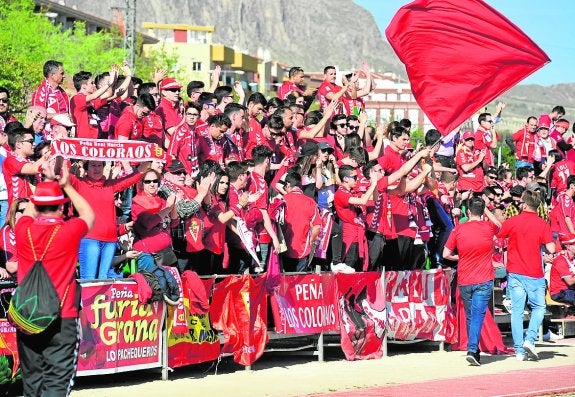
(35, 303)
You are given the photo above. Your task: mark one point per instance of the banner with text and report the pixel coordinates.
(118, 333)
(419, 305)
(107, 149)
(305, 304)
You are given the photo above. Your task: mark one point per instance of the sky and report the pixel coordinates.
(548, 23)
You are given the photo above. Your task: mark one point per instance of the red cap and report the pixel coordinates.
(468, 135)
(544, 121)
(565, 124)
(169, 83)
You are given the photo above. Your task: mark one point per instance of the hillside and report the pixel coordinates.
(312, 34)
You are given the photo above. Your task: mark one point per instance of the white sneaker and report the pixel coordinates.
(258, 269)
(507, 305)
(552, 337)
(342, 268)
(520, 357)
(530, 350)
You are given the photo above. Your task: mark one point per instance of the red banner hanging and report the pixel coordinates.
(305, 304)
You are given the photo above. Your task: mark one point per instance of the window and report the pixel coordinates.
(197, 66)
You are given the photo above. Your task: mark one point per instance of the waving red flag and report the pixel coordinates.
(460, 55)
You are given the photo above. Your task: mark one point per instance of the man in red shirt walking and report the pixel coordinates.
(473, 241)
(526, 233)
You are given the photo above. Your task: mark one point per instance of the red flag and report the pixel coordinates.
(460, 55)
(239, 309)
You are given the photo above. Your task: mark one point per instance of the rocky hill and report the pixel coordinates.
(311, 34)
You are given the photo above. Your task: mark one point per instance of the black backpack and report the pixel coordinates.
(35, 303)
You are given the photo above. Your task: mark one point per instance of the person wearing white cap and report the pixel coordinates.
(62, 126)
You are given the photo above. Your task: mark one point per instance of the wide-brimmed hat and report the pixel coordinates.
(48, 193)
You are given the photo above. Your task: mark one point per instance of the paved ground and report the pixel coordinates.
(409, 370)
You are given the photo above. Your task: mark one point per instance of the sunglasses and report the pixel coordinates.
(31, 141)
(210, 104)
(4, 100)
(148, 181)
(353, 127)
(277, 134)
(20, 210)
(173, 89)
(354, 177)
(341, 125)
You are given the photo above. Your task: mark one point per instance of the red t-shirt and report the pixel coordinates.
(211, 149)
(170, 113)
(483, 139)
(100, 196)
(61, 258)
(86, 126)
(255, 137)
(153, 129)
(214, 230)
(560, 171)
(8, 248)
(564, 208)
(184, 146)
(324, 89)
(301, 215)
(16, 183)
(473, 179)
(286, 88)
(562, 267)
(349, 104)
(129, 126)
(473, 241)
(258, 186)
(391, 160)
(526, 233)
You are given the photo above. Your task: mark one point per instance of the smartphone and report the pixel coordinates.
(58, 166)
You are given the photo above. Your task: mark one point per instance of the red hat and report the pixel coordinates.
(544, 122)
(169, 83)
(48, 193)
(565, 124)
(468, 135)
(567, 239)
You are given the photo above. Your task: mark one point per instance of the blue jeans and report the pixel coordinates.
(520, 288)
(3, 211)
(95, 258)
(475, 299)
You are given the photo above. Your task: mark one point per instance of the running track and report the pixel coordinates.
(517, 383)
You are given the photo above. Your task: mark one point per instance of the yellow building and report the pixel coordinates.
(198, 55)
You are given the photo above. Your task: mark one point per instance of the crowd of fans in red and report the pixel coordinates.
(254, 182)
